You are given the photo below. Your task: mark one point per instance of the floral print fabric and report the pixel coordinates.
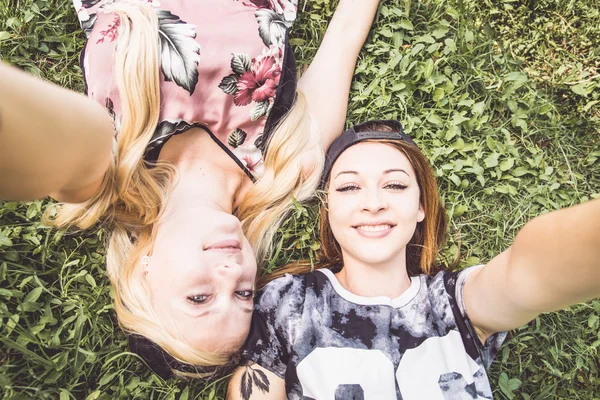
(226, 66)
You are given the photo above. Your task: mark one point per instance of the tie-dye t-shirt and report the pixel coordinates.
(226, 66)
(329, 344)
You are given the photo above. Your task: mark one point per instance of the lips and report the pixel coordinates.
(374, 230)
(225, 246)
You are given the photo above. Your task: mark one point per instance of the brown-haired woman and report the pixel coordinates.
(379, 319)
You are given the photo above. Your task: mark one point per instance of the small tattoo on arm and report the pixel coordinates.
(251, 378)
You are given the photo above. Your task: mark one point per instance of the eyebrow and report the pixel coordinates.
(387, 171)
(346, 172)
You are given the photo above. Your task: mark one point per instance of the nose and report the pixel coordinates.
(230, 270)
(373, 200)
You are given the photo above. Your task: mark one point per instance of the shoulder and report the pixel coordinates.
(449, 282)
(279, 314)
(286, 286)
(291, 290)
(446, 288)
(444, 293)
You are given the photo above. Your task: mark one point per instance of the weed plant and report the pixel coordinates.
(503, 97)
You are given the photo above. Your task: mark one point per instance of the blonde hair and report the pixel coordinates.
(133, 193)
(267, 203)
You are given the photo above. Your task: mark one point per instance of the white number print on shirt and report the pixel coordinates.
(359, 374)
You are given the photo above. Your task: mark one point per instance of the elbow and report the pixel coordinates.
(91, 166)
(77, 195)
(88, 184)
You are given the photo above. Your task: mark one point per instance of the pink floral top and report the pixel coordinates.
(226, 66)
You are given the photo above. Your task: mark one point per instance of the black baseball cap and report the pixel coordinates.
(350, 137)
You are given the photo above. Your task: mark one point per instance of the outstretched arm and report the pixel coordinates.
(553, 263)
(52, 141)
(326, 83)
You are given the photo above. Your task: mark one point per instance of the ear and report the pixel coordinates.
(421, 213)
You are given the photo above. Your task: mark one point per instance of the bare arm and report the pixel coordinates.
(254, 382)
(326, 83)
(52, 141)
(553, 263)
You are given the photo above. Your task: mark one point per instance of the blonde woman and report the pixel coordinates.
(212, 143)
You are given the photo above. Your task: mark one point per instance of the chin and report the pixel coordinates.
(375, 258)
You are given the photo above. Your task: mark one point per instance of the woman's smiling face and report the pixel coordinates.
(373, 203)
(201, 276)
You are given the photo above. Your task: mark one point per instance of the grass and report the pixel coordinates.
(503, 96)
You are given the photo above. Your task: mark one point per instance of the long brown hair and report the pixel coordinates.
(422, 249)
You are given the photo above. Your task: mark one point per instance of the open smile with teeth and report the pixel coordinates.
(373, 228)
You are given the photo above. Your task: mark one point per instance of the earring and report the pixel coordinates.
(145, 262)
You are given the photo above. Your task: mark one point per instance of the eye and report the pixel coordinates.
(395, 186)
(348, 187)
(198, 299)
(245, 294)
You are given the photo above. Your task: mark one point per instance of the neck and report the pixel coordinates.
(206, 175)
(388, 279)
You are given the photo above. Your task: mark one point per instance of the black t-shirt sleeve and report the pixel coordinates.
(455, 284)
(271, 332)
